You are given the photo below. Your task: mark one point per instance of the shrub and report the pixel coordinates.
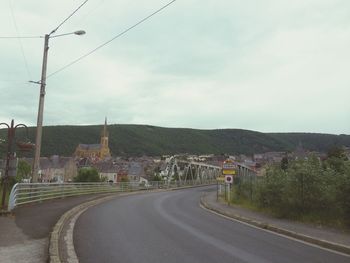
(87, 175)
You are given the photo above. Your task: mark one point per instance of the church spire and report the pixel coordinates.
(104, 142)
(105, 128)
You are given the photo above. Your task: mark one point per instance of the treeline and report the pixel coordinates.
(306, 190)
(137, 140)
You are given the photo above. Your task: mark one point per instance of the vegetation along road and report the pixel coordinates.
(172, 227)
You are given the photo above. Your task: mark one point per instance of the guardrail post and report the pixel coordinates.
(12, 198)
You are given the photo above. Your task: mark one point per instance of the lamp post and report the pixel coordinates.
(36, 164)
(11, 133)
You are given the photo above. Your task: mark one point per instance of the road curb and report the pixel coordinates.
(322, 243)
(5, 213)
(54, 247)
(189, 186)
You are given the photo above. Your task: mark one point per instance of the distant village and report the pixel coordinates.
(142, 169)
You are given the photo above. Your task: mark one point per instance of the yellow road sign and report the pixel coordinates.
(229, 172)
(220, 179)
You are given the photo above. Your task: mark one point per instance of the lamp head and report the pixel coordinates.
(79, 32)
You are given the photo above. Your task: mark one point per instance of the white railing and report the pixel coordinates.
(24, 193)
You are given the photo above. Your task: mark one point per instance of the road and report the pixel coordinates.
(172, 227)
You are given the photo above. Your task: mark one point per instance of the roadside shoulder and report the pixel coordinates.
(208, 201)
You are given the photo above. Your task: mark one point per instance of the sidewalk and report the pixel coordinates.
(24, 234)
(322, 236)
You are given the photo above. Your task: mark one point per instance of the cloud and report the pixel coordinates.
(266, 66)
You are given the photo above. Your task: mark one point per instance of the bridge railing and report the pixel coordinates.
(24, 193)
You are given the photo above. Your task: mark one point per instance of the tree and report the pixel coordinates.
(89, 174)
(156, 178)
(271, 190)
(337, 152)
(23, 170)
(336, 158)
(343, 193)
(284, 163)
(124, 179)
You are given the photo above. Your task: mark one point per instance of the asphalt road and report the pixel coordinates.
(171, 227)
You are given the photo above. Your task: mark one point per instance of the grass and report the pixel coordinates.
(318, 220)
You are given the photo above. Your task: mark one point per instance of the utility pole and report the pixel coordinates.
(39, 126)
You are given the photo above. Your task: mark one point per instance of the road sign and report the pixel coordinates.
(220, 179)
(226, 172)
(228, 179)
(229, 168)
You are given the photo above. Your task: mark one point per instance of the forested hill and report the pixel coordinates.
(138, 140)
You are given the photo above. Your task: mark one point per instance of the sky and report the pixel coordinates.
(268, 66)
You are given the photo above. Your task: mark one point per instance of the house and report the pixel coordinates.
(274, 157)
(107, 170)
(55, 168)
(135, 171)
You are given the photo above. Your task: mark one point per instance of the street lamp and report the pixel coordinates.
(42, 83)
(78, 32)
(11, 133)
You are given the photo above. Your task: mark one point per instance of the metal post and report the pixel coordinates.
(40, 111)
(217, 190)
(225, 192)
(10, 134)
(251, 188)
(228, 193)
(11, 131)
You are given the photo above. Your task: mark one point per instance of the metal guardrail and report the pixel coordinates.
(24, 193)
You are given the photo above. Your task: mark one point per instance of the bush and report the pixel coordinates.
(156, 178)
(307, 189)
(343, 196)
(271, 190)
(87, 175)
(244, 188)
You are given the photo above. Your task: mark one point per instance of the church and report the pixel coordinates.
(95, 151)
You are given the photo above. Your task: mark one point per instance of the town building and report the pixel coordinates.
(95, 152)
(55, 169)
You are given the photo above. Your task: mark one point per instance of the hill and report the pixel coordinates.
(136, 140)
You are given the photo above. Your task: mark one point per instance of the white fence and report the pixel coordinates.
(24, 193)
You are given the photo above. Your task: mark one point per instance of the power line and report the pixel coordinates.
(4, 37)
(13, 81)
(53, 31)
(91, 11)
(19, 40)
(117, 36)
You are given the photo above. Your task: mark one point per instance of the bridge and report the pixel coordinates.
(179, 169)
(178, 172)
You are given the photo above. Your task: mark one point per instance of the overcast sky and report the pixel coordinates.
(270, 66)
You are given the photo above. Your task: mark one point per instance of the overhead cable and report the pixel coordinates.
(19, 40)
(53, 31)
(3, 37)
(115, 37)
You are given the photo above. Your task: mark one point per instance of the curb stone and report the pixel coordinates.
(54, 255)
(5, 213)
(322, 243)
